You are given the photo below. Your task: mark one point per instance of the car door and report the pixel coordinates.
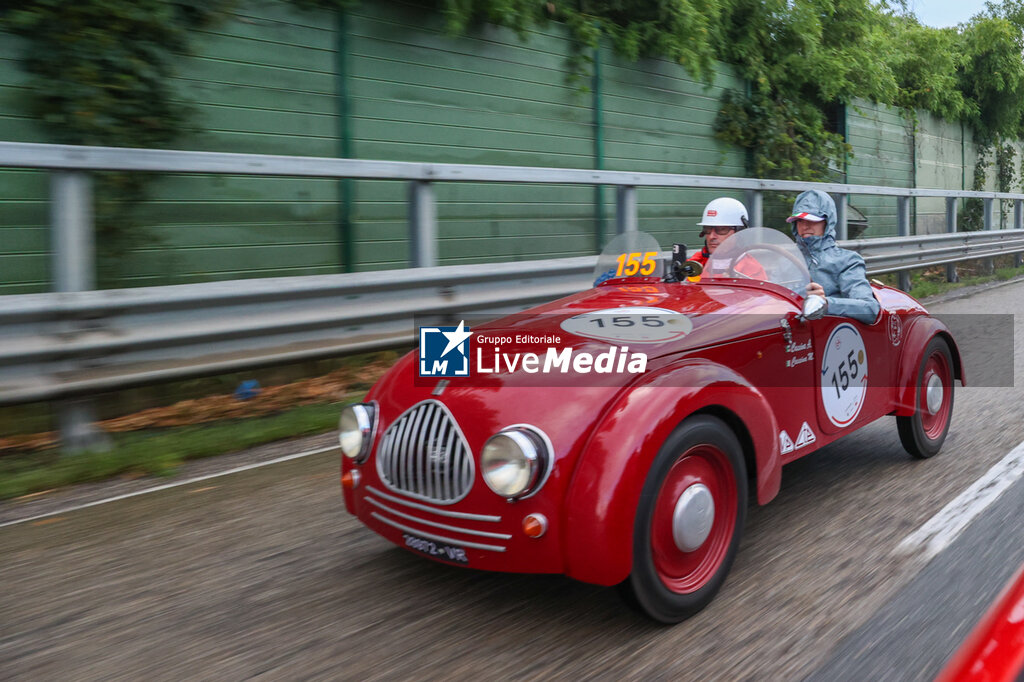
(853, 366)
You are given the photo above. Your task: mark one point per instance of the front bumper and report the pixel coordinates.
(481, 531)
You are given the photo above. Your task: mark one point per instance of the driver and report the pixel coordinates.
(724, 217)
(837, 274)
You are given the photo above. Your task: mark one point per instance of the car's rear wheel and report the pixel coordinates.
(923, 432)
(689, 520)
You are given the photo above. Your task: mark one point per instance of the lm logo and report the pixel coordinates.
(444, 351)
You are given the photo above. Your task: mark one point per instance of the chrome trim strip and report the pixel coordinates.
(439, 538)
(444, 526)
(439, 512)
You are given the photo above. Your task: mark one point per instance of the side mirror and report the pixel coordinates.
(814, 308)
(690, 268)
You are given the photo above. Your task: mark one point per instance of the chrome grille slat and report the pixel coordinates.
(424, 461)
(411, 451)
(424, 455)
(447, 467)
(430, 468)
(398, 446)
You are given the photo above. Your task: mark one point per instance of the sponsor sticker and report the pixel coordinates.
(805, 437)
(635, 324)
(895, 329)
(785, 443)
(844, 375)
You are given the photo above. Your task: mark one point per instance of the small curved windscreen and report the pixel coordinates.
(633, 254)
(760, 253)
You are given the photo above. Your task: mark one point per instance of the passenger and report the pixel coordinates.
(837, 274)
(722, 218)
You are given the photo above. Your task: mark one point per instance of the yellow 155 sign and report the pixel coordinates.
(633, 263)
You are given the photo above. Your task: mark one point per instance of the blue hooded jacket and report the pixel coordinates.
(840, 272)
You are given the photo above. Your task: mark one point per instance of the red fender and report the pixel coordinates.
(920, 334)
(609, 476)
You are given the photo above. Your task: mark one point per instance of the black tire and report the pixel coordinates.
(668, 583)
(923, 433)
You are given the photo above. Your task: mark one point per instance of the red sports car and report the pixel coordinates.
(613, 435)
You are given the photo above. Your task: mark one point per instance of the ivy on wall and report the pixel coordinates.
(101, 75)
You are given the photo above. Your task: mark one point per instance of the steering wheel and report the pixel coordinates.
(773, 248)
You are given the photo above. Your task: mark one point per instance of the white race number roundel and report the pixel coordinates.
(635, 324)
(844, 374)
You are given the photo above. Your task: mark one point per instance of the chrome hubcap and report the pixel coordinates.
(693, 517)
(934, 394)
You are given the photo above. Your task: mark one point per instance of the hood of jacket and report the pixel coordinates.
(818, 203)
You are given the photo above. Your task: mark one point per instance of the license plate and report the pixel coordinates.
(438, 550)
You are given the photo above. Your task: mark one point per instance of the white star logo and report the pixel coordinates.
(456, 338)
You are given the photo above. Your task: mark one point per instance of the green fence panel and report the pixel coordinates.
(883, 146)
(24, 202)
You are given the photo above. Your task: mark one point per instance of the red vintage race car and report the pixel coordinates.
(613, 435)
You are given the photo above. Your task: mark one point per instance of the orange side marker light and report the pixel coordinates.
(535, 525)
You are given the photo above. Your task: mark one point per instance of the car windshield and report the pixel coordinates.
(632, 254)
(760, 253)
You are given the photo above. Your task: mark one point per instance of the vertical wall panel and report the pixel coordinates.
(486, 98)
(883, 149)
(24, 212)
(939, 166)
(659, 118)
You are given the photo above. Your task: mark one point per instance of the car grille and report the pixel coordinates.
(424, 455)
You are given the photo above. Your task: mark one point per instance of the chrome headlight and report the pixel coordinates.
(515, 461)
(355, 430)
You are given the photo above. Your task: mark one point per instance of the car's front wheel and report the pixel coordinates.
(923, 432)
(688, 521)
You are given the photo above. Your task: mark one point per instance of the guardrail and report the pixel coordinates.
(56, 346)
(69, 345)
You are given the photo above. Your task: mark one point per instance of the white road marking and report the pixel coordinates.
(940, 530)
(167, 486)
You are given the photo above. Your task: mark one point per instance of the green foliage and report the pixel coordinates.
(801, 57)
(101, 68)
(927, 69)
(972, 217)
(681, 30)
(993, 76)
(787, 138)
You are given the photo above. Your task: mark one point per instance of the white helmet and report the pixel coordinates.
(726, 212)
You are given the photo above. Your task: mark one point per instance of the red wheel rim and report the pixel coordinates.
(934, 425)
(686, 572)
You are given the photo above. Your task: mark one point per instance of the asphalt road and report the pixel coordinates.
(262, 574)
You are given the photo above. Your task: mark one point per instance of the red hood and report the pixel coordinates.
(719, 312)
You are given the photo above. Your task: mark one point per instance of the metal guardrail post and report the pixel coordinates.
(903, 230)
(988, 265)
(1018, 224)
(74, 269)
(754, 200)
(842, 233)
(71, 217)
(951, 211)
(422, 225)
(625, 209)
